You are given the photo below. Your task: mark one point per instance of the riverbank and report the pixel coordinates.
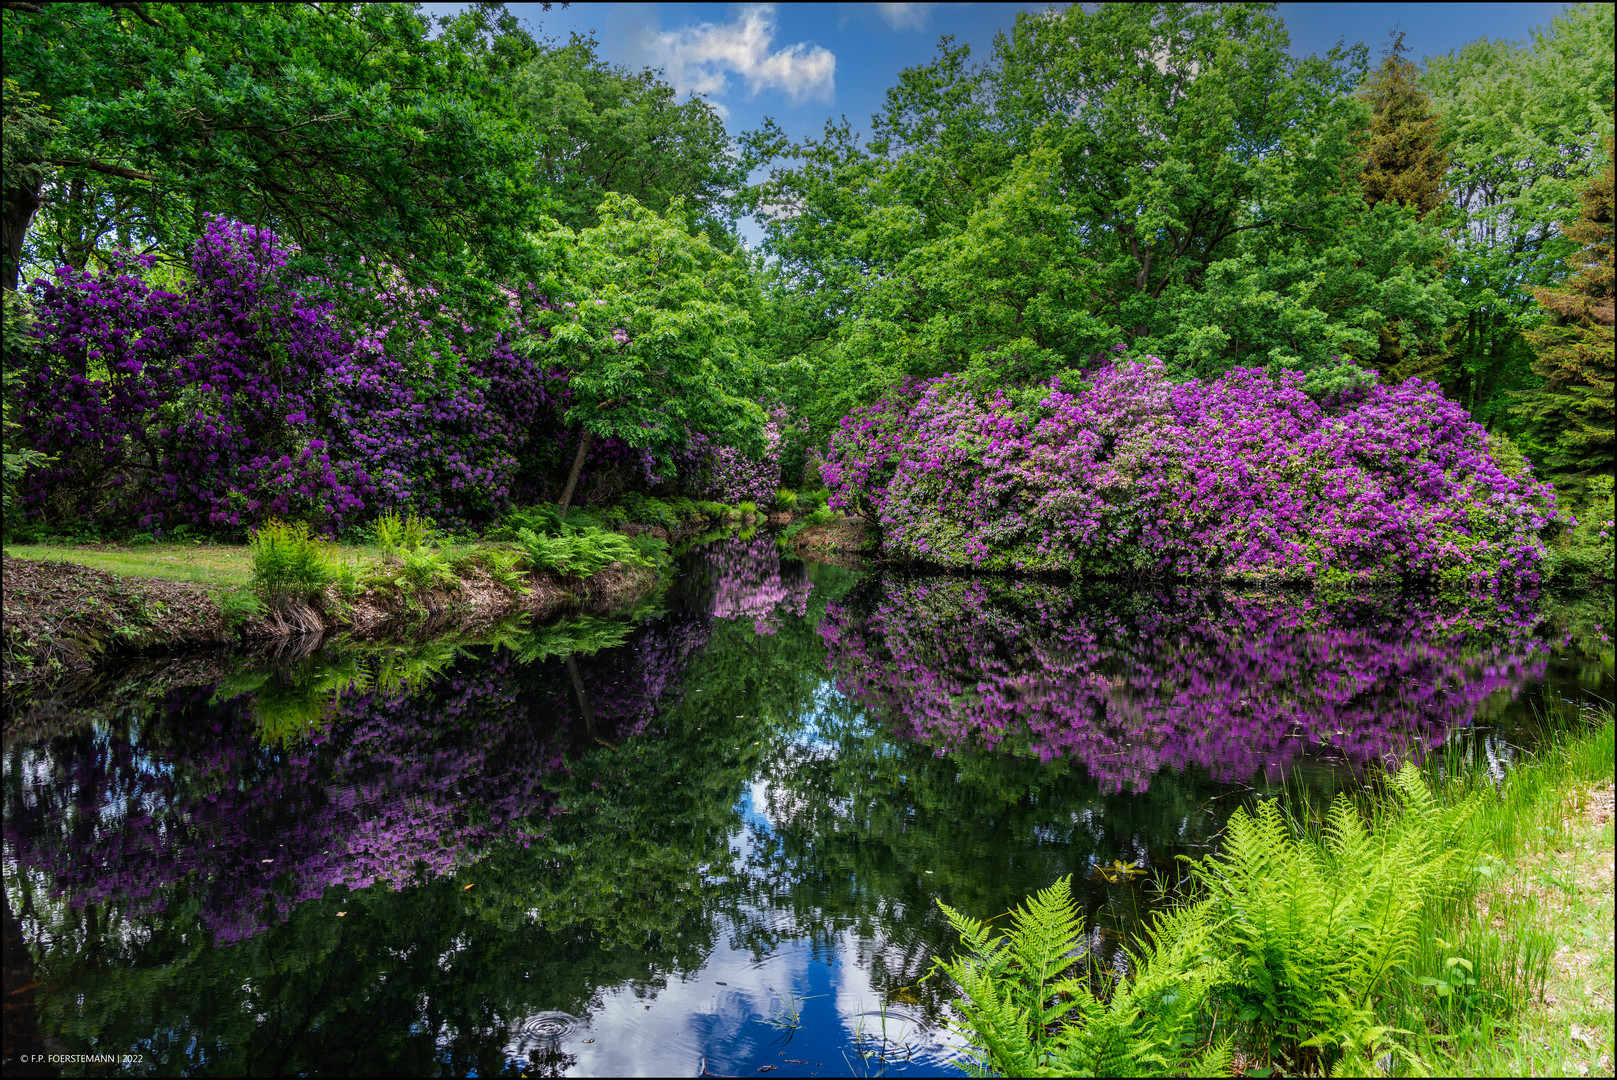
(61, 616)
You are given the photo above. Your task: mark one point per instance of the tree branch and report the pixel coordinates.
(104, 167)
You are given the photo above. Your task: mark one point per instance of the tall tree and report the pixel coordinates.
(346, 127)
(1523, 124)
(1573, 412)
(1403, 158)
(653, 333)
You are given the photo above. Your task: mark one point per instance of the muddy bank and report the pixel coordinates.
(845, 537)
(60, 618)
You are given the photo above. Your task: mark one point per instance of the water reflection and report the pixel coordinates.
(1129, 686)
(715, 834)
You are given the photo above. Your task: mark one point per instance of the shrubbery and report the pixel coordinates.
(242, 398)
(1245, 475)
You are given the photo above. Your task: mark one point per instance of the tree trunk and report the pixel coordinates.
(22, 203)
(584, 704)
(572, 474)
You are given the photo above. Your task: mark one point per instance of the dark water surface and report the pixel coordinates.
(709, 838)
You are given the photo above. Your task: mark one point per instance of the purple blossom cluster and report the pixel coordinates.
(1240, 476)
(730, 475)
(1240, 688)
(239, 399)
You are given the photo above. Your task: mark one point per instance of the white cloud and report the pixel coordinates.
(700, 59)
(905, 16)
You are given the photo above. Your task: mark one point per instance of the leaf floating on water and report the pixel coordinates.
(340, 914)
(468, 886)
(589, 1040)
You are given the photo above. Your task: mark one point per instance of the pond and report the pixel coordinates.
(711, 838)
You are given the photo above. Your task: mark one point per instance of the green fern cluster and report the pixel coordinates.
(1313, 927)
(578, 552)
(1028, 1016)
(289, 563)
(1292, 937)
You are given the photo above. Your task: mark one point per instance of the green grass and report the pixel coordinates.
(208, 564)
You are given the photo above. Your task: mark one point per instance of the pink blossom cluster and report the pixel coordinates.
(1241, 476)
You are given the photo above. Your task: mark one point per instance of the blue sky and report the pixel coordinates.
(806, 63)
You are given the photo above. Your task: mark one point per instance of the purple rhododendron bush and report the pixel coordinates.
(1242, 476)
(1238, 686)
(238, 398)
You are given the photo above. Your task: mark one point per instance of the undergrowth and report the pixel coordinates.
(1347, 943)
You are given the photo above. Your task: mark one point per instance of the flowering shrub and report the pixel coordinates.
(1242, 476)
(730, 475)
(240, 399)
(1237, 688)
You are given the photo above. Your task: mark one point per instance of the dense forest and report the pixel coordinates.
(1139, 291)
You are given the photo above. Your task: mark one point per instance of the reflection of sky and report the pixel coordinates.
(721, 1015)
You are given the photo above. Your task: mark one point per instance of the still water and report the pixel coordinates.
(709, 838)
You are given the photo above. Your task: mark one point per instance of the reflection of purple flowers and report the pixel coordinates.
(745, 579)
(1244, 475)
(187, 806)
(1236, 687)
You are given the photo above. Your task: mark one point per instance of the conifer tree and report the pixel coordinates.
(1402, 164)
(1403, 160)
(1572, 414)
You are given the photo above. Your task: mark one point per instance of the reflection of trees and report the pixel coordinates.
(1238, 687)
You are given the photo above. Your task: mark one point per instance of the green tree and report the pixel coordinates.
(1573, 413)
(1159, 175)
(345, 127)
(1403, 159)
(1523, 125)
(655, 339)
(601, 128)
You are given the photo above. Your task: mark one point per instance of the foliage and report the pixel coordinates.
(785, 499)
(606, 128)
(1244, 475)
(391, 533)
(1573, 414)
(579, 552)
(1025, 1013)
(1402, 157)
(1523, 126)
(288, 563)
(348, 128)
(653, 336)
(1157, 174)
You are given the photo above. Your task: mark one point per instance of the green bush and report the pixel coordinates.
(813, 500)
(653, 551)
(684, 508)
(238, 605)
(579, 553)
(649, 511)
(288, 563)
(747, 506)
(711, 509)
(785, 499)
(392, 533)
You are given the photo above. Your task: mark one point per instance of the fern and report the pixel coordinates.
(1026, 1015)
(1313, 930)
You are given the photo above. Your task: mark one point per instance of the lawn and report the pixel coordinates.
(204, 563)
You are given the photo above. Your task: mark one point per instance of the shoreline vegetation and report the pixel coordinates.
(1443, 922)
(68, 607)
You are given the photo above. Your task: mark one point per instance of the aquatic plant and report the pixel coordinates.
(1245, 475)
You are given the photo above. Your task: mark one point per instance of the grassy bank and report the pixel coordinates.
(1439, 924)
